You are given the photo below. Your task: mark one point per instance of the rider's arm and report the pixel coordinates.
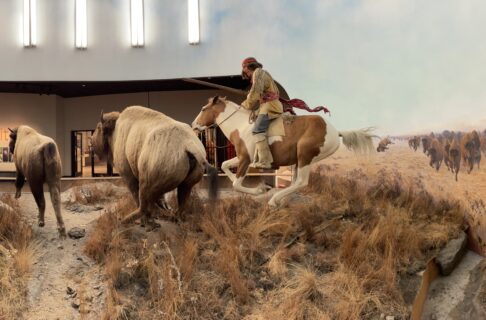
(256, 91)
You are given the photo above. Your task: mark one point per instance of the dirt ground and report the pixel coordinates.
(61, 264)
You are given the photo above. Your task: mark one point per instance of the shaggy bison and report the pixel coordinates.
(37, 159)
(154, 154)
(455, 156)
(436, 153)
(471, 149)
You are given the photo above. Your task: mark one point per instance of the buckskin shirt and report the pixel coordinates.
(262, 88)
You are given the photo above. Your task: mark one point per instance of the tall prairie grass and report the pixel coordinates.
(338, 250)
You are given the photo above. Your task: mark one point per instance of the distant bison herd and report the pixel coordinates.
(452, 148)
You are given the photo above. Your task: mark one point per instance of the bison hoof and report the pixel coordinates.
(272, 204)
(41, 223)
(151, 225)
(62, 233)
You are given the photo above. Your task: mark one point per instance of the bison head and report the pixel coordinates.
(103, 134)
(13, 140)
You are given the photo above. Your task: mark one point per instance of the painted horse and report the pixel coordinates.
(306, 140)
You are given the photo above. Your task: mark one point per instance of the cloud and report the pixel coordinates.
(398, 65)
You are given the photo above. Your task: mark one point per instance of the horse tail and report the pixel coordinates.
(360, 141)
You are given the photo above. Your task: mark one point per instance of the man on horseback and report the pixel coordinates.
(263, 99)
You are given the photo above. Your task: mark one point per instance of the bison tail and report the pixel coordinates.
(212, 173)
(51, 164)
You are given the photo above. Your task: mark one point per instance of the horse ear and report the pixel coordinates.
(10, 130)
(215, 99)
(223, 98)
(102, 113)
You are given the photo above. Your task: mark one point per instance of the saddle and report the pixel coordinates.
(277, 127)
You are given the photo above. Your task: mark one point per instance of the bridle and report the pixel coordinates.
(215, 124)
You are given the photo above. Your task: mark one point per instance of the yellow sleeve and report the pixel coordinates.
(256, 91)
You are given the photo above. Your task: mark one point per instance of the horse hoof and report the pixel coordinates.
(17, 194)
(42, 223)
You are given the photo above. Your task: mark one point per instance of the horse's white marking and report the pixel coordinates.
(227, 165)
(236, 118)
(273, 139)
(301, 181)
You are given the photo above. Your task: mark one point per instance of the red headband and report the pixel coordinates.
(248, 61)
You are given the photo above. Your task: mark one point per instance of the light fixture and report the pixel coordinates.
(30, 23)
(81, 24)
(136, 22)
(193, 21)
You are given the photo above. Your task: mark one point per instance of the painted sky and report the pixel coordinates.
(400, 65)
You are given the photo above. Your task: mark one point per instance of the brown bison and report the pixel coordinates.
(154, 154)
(447, 157)
(426, 140)
(471, 150)
(383, 145)
(415, 143)
(455, 156)
(436, 154)
(482, 141)
(37, 159)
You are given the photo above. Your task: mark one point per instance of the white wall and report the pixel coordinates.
(57, 117)
(36, 111)
(83, 113)
(167, 53)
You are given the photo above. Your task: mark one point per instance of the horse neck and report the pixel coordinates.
(233, 118)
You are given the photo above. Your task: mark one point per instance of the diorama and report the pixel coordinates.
(242, 160)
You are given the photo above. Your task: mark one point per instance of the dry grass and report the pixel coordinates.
(338, 251)
(16, 257)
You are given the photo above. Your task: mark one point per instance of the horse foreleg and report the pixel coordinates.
(227, 165)
(240, 176)
(301, 181)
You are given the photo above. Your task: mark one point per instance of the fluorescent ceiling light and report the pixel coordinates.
(136, 22)
(81, 24)
(30, 23)
(193, 21)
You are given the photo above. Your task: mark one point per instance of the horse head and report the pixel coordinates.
(209, 113)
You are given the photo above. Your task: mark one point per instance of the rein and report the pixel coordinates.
(214, 125)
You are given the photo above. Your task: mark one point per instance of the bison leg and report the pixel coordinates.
(184, 189)
(19, 183)
(147, 220)
(55, 190)
(134, 215)
(132, 184)
(38, 193)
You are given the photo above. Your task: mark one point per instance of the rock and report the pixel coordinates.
(76, 233)
(75, 304)
(70, 290)
(451, 255)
